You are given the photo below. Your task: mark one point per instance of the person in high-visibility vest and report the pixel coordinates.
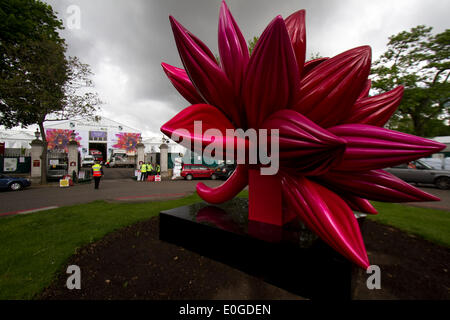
(97, 173)
(158, 169)
(150, 168)
(143, 172)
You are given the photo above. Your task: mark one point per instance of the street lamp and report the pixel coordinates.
(37, 134)
(72, 136)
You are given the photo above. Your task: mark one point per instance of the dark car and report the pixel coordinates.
(190, 171)
(12, 183)
(224, 171)
(420, 172)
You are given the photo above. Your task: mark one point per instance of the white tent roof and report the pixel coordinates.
(83, 124)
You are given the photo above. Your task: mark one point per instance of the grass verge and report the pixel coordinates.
(430, 224)
(34, 248)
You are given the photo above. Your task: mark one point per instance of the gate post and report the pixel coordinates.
(73, 158)
(140, 155)
(37, 146)
(164, 160)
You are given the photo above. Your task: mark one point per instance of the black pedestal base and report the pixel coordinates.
(292, 257)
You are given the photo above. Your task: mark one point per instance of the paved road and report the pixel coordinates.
(129, 190)
(111, 190)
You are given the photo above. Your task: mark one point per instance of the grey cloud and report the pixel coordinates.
(136, 37)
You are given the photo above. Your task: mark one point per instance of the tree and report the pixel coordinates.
(38, 82)
(420, 61)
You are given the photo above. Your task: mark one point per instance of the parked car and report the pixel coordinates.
(88, 161)
(224, 171)
(57, 171)
(190, 171)
(12, 183)
(420, 172)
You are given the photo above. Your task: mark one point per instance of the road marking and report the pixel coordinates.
(153, 196)
(28, 211)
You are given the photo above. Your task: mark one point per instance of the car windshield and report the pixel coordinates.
(423, 165)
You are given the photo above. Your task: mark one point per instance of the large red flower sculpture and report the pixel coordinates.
(331, 140)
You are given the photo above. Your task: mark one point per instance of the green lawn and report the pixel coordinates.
(35, 247)
(430, 224)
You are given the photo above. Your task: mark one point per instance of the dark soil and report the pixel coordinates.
(133, 263)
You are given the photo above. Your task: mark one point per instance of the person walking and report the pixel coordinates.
(158, 169)
(97, 173)
(144, 169)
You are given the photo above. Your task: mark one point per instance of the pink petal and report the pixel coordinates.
(295, 25)
(182, 83)
(376, 185)
(365, 92)
(303, 145)
(358, 204)
(376, 110)
(227, 190)
(272, 78)
(327, 215)
(232, 48)
(370, 147)
(310, 65)
(210, 118)
(328, 92)
(207, 77)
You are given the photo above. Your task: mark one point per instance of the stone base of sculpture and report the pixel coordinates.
(290, 257)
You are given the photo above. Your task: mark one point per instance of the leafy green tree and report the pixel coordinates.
(420, 61)
(38, 82)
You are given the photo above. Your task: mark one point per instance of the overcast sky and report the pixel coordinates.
(125, 41)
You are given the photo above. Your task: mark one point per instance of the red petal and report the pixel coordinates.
(227, 190)
(207, 77)
(182, 83)
(303, 145)
(272, 77)
(232, 48)
(370, 147)
(365, 92)
(311, 64)
(358, 204)
(376, 185)
(295, 25)
(327, 215)
(210, 118)
(375, 110)
(328, 92)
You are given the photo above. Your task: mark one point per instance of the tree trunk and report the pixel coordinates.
(44, 154)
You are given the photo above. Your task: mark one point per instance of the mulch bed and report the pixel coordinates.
(132, 263)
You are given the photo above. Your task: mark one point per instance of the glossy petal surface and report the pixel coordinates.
(272, 78)
(295, 25)
(327, 215)
(232, 49)
(213, 129)
(304, 145)
(370, 147)
(207, 77)
(376, 110)
(376, 185)
(227, 190)
(182, 83)
(328, 92)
